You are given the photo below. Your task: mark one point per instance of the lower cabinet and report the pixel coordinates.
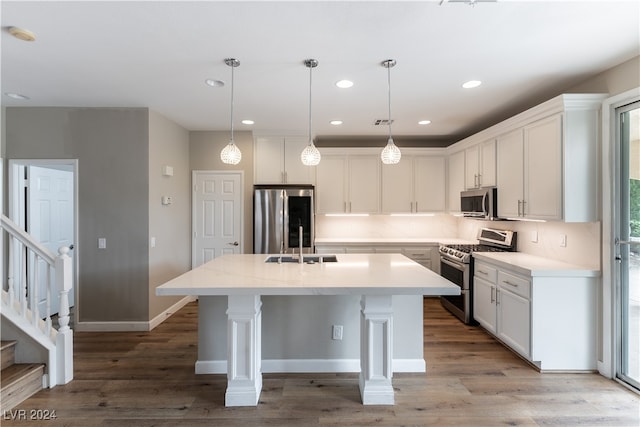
(548, 319)
(501, 305)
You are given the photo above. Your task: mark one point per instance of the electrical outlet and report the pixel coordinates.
(563, 240)
(336, 332)
(102, 243)
(534, 236)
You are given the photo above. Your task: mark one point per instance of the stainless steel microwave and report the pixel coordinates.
(481, 203)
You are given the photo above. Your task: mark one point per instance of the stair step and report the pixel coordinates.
(19, 382)
(7, 354)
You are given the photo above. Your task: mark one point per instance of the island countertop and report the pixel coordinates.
(353, 274)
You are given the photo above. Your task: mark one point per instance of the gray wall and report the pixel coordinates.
(170, 225)
(112, 149)
(616, 80)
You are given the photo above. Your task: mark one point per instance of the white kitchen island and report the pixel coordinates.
(245, 278)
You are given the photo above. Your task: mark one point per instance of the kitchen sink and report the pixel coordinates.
(308, 259)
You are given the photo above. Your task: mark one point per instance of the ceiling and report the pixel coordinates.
(157, 54)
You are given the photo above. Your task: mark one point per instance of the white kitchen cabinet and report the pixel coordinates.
(348, 184)
(415, 185)
(456, 180)
(484, 304)
(501, 305)
(546, 166)
(277, 161)
(480, 165)
(546, 316)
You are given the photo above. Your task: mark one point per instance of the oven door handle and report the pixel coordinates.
(452, 264)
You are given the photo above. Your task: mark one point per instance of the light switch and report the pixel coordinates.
(167, 170)
(534, 236)
(563, 240)
(153, 242)
(166, 200)
(102, 243)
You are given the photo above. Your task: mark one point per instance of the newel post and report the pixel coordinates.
(64, 339)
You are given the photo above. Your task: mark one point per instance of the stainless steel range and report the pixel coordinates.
(456, 265)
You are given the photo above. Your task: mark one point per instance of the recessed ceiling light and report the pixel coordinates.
(424, 122)
(16, 95)
(344, 84)
(471, 84)
(214, 83)
(336, 122)
(247, 122)
(22, 34)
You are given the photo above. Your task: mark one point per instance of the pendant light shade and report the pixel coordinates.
(310, 156)
(390, 154)
(231, 154)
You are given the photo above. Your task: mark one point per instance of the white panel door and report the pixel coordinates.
(217, 215)
(50, 221)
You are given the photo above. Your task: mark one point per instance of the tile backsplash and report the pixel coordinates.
(583, 245)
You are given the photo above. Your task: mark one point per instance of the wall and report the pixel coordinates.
(169, 225)
(385, 226)
(204, 154)
(621, 78)
(111, 145)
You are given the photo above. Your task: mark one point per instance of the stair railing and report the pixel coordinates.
(29, 265)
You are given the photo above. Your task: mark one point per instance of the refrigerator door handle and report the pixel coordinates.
(285, 218)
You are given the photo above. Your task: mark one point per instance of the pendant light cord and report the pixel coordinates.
(232, 85)
(389, 85)
(310, 83)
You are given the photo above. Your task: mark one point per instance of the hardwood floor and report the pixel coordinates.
(147, 379)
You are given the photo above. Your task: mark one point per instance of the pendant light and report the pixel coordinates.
(390, 154)
(310, 156)
(231, 154)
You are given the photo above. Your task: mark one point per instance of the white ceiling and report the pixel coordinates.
(157, 54)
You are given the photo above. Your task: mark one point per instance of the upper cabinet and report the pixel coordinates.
(480, 165)
(415, 185)
(348, 184)
(455, 180)
(277, 161)
(545, 160)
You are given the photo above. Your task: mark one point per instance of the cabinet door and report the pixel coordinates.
(510, 175)
(294, 171)
(330, 188)
(514, 324)
(484, 303)
(543, 169)
(364, 184)
(397, 187)
(456, 180)
(488, 164)
(269, 161)
(430, 184)
(471, 162)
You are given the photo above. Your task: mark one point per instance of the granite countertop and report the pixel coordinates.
(353, 274)
(536, 266)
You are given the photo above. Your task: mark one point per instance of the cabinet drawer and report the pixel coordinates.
(485, 272)
(515, 284)
(418, 254)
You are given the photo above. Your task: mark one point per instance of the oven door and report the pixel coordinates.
(458, 273)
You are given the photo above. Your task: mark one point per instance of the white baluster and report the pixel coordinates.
(23, 280)
(64, 339)
(48, 302)
(35, 313)
(10, 283)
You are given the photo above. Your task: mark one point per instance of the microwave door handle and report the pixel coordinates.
(485, 208)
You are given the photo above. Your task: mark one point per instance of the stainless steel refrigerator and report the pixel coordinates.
(278, 213)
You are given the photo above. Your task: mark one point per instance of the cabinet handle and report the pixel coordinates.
(497, 296)
(345, 207)
(493, 299)
(506, 282)
(519, 203)
(479, 180)
(416, 207)
(483, 272)
(349, 207)
(523, 211)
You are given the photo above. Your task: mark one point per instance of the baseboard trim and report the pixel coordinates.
(310, 366)
(133, 326)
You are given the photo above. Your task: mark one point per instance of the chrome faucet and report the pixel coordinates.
(300, 232)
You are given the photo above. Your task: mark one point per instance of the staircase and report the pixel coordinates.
(43, 350)
(19, 381)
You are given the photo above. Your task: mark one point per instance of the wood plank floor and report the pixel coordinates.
(147, 379)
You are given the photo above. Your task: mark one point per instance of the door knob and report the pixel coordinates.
(233, 244)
